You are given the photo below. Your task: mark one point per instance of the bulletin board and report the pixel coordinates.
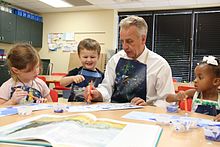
(63, 41)
(68, 41)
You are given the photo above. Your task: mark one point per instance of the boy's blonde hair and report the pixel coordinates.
(89, 44)
(22, 56)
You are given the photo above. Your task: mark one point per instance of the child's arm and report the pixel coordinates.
(16, 97)
(42, 100)
(2, 101)
(181, 95)
(217, 118)
(71, 79)
(48, 98)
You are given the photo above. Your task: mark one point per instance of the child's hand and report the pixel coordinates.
(78, 78)
(217, 118)
(181, 96)
(39, 100)
(18, 95)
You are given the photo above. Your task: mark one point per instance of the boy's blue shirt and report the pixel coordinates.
(78, 89)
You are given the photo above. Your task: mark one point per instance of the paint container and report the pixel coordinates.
(172, 108)
(58, 108)
(212, 133)
(24, 110)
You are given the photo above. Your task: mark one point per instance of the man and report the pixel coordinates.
(135, 74)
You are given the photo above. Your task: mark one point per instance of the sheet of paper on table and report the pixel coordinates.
(14, 110)
(154, 117)
(102, 107)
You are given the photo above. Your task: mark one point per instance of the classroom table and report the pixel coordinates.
(169, 137)
(57, 78)
(52, 78)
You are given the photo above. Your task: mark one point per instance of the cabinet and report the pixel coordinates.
(7, 27)
(36, 33)
(29, 31)
(4, 74)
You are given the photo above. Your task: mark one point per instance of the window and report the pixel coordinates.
(172, 41)
(149, 19)
(182, 37)
(207, 36)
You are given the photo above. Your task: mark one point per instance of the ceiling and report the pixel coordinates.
(119, 5)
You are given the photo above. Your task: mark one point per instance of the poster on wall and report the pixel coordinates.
(64, 41)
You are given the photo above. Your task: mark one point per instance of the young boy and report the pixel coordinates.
(89, 52)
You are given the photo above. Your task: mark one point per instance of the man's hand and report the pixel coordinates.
(138, 101)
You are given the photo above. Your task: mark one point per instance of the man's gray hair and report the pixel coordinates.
(133, 20)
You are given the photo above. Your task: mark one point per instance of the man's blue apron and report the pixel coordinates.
(130, 81)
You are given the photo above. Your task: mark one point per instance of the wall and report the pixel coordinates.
(80, 22)
(5, 46)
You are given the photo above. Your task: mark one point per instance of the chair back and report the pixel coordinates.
(54, 95)
(57, 84)
(42, 78)
(184, 88)
(45, 69)
(58, 74)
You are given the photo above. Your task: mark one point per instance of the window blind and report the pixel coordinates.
(149, 19)
(172, 33)
(207, 36)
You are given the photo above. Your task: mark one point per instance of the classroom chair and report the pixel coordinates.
(177, 79)
(189, 100)
(57, 84)
(42, 78)
(54, 95)
(174, 80)
(184, 88)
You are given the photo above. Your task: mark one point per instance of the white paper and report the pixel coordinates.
(154, 117)
(134, 135)
(102, 107)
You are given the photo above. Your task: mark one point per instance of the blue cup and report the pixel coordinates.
(29, 15)
(24, 14)
(40, 19)
(20, 13)
(212, 133)
(14, 11)
(172, 108)
(32, 16)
